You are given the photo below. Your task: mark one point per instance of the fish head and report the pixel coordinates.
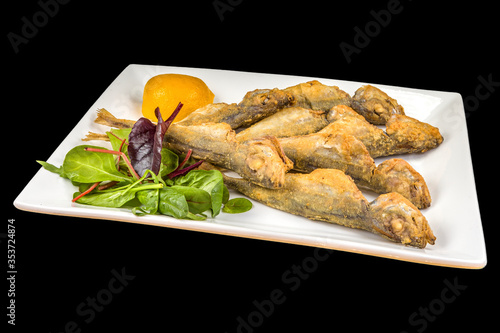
(396, 218)
(397, 175)
(263, 162)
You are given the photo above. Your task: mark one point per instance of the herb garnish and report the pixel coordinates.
(140, 174)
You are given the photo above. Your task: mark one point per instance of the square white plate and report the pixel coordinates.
(454, 215)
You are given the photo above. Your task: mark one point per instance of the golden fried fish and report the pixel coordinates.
(375, 105)
(330, 195)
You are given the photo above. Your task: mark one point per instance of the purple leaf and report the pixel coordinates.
(146, 142)
(140, 146)
(160, 131)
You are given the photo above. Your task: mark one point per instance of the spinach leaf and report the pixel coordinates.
(209, 180)
(237, 205)
(82, 187)
(197, 199)
(52, 168)
(90, 167)
(192, 216)
(115, 197)
(116, 137)
(149, 200)
(169, 162)
(217, 194)
(225, 194)
(172, 203)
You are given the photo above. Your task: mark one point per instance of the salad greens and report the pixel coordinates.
(138, 173)
(237, 205)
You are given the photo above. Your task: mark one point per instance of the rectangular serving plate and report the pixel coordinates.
(453, 216)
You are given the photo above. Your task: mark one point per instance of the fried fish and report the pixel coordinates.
(262, 103)
(375, 105)
(330, 195)
(346, 153)
(290, 121)
(403, 134)
(256, 105)
(260, 161)
(316, 96)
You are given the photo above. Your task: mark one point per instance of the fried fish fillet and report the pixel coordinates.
(346, 153)
(317, 96)
(260, 161)
(375, 105)
(403, 134)
(256, 104)
(338, 147)
(398, 176)
(261, 103)
(344, 120)
(322, 150)
(412, 136)
(330, 195)
(290, 121)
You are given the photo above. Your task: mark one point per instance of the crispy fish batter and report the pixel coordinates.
(344, 120)
(317, 96)
(330, 195)
(260, 161)
(396, 219)
(290, 121)
(411, 135)
(322, 150)
(256, 104)
(346, 153)
(403, 134)
(338, 147)
(375, 105)
(398, 176)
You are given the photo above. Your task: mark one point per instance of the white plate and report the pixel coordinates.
(454, 215)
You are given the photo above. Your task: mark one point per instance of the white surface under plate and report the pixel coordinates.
(453, 216)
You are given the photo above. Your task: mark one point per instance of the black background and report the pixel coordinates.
(188, 281)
